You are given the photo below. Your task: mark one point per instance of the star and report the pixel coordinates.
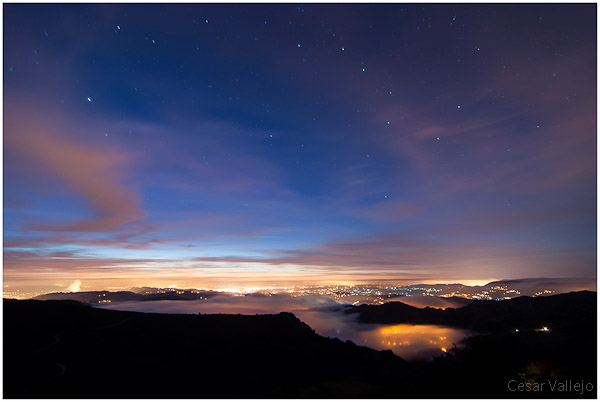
(342, 48)
(459, 106)
(363, 69)
(89, 99)
(298, 45)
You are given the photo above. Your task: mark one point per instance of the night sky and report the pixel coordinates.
(201, 144)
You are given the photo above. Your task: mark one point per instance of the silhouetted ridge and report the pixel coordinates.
(122, 296)
(118, 354)
(569, 309)
(65, 349)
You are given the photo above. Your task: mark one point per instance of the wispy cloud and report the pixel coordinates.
(48, 149)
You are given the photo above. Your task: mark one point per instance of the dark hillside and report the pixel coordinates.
(575, 309)
(65, 349)
(61, 349)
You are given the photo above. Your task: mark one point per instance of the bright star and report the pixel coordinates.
(89, 99)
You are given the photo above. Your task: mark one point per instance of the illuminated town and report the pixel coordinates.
(348, 293)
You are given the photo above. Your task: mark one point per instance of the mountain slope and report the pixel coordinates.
(61, 349)
(575, 309)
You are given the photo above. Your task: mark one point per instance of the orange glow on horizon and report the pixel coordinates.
(98, 273)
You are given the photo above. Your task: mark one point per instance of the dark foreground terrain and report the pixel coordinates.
(62, 349)
(65, 349)
(569, 310)
(544, 340)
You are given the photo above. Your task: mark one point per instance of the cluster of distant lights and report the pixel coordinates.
(543, 329)
(374, 293)
(17, 294)
(377, 291)
(247, 290)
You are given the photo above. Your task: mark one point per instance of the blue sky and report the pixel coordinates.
(324, 142)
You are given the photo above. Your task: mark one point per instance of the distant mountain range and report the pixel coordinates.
(508, 288)
(122, 296)
(531, 286)
(454, 294)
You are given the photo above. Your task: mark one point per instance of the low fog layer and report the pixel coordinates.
(227, 304)
(322, 313)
